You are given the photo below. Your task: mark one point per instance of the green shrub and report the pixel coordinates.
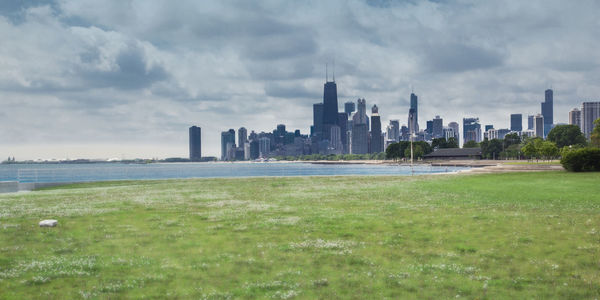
(582, 160)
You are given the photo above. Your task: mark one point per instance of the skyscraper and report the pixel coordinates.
(281, 130)
(575, 117)
(376, 137)
(548, 110)
(429, 126)
(414, 104)
(360, 117)
(454, 127)
(393, 131)
(227, 143)
(264, 147)
(359, 142)
(349, 108)
(242, 136)
(318, 119)
(343, 124)
(330, 107)
(195, 143)
(516, 122)
(412, 114)
(530, 122)
(471, 130)
(438, 127)
(590, 111)
(538, 125)
(242, 141)
(335, 140)
(360, 135)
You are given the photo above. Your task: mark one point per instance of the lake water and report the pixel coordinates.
(117, 171)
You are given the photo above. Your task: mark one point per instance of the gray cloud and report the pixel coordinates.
(85, 71)
(459, 58)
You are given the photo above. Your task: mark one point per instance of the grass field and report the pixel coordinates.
(532, 162)
(492, 236)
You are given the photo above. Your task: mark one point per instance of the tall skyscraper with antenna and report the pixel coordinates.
(548, 111)
(330, 105)
(414, 114)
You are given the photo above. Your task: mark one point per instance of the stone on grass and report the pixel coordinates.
(48, 223)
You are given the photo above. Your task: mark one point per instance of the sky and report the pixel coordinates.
(127, 78)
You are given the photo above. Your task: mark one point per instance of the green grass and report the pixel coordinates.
(540, 162)
(492, 236)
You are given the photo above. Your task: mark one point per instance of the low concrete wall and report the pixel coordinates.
(15, 186)
(30, 186)
(9, 186)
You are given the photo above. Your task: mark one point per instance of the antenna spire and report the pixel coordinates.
(334, 70)
(326, 73)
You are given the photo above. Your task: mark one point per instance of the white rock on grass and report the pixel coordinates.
(48, 223)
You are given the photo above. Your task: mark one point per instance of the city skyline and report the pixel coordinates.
(111, 88)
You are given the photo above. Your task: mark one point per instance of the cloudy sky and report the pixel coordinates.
(126, 78)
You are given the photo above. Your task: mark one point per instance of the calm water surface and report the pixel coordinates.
(117, 171)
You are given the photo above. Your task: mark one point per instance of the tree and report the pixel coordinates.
(470, 144)
(595, 136)
(491, 149)
(424, 146)
(548, 150)
(418, 152)
(530, 150)
(566, 135)
(452, 143)
(511, 139)
(441, 143)
(438, 143)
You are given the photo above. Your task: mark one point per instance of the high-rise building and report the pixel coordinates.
(404, 133)
(488, 127)
(590, 111)
(498, 133)
(359, 142)
(330, 107)
(530, 122)
(575, 117)
(376, 137)
(264, 147)
(393, 131)
(455, 127)
(448, 132)
(412, 114)
(360, 136)
(335, 140)
(360, 117)
(242, 137)
(516, 122)
(471, 130)
(281, 130)
(429, 127)
(438, 127)
(195, 143)
(227, 143)
(317, 119)
(538, 125)
(414, 104)
(349, 108)
(247, 151)
(548, 111)
(343, 124)
(254, 149)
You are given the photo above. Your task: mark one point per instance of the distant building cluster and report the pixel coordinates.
(354, 132)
